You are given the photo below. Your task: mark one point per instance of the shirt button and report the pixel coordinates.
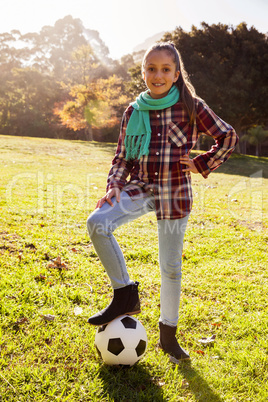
(157, 153)
(156, 173)
(159, 134)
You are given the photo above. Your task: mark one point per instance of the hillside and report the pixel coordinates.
(148, 42)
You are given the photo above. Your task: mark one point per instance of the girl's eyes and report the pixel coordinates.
(151, 69)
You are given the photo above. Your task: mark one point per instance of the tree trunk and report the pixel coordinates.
(89, 135)
(257, 150)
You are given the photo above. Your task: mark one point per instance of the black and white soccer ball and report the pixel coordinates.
(121, 342)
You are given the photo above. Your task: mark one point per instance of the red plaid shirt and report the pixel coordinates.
(160, 173)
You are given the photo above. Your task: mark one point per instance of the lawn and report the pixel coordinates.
(51, 280)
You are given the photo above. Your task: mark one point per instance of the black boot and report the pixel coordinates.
(169, 344)
(125, 301)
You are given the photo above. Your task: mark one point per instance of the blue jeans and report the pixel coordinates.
(101, 225)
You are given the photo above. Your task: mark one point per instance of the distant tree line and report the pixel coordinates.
(61, 82)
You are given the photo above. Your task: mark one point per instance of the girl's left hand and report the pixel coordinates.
(185, 160)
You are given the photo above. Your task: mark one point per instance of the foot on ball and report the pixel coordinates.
(125, 301)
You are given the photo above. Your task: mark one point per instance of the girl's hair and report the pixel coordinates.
(187, 91)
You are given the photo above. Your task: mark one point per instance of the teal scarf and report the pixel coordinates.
(138, 132)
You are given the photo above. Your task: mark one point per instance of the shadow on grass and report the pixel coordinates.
(129, 384)
(136, 384)
(237, 164)
(197, 385)
(242, 165)
(108, 146)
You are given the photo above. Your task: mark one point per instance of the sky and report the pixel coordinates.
(124, 24)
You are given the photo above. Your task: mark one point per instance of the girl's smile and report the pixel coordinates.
(159, 73)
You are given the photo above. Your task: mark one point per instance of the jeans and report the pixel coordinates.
(101, 225)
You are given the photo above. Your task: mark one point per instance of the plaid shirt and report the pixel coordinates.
(160, 173)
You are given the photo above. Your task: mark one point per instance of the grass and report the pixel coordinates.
(47, 189)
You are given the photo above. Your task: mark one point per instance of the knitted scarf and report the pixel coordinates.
(138, 132)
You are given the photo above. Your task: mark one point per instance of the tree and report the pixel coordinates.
(26, 101)
(255, 136)
(51, 50)
(94, 108)
(72, 112)
(40, 69)
(229, 68)
(84, 64)
(108, 110)
(136, 85)
(10, 55)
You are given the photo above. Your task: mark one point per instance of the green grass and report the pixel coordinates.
(47, 189)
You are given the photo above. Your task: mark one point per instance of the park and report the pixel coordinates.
(62, 97)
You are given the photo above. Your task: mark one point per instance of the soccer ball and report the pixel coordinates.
(121, 342)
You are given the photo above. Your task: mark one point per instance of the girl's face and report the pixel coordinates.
(159, 73)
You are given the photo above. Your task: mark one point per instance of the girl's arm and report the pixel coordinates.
(225, 137)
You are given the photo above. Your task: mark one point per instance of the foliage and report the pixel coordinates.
(229, 68)
(107, 111)
(98, 106)
(26, 99)
(51, 50)
(84, 67)
(136, 85)
(50, 272)
(50, 71)
(39, 70)
(256, 135)
(72, 113)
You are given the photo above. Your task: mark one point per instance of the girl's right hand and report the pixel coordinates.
(113, 192)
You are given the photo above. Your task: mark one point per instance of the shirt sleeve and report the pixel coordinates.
(207, 122)
(121, 168)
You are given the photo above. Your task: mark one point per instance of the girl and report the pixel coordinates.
(157, 134)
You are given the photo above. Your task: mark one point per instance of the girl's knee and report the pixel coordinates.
(98, 224)
(93, 222)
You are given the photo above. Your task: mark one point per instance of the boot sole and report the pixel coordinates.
(121, 315)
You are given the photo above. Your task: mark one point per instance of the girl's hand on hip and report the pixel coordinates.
(113, 192)
(185, 160)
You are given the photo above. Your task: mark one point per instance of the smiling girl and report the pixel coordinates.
(151, 171)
